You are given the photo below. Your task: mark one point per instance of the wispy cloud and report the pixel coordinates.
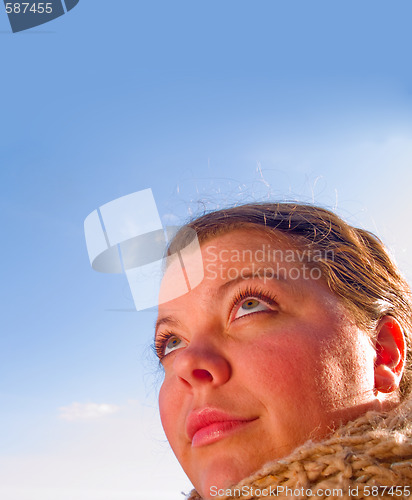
(109, 460)
(86, 411)
(171, 219)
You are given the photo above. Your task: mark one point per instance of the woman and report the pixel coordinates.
(287, 369)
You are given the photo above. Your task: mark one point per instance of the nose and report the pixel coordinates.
(202, 365)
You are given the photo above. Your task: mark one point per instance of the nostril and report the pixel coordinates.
(203, 375)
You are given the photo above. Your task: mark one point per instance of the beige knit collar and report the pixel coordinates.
(375, 450)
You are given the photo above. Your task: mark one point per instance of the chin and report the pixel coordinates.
(224, 474)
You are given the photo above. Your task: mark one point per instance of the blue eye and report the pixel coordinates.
(250, 305)
(172, 344)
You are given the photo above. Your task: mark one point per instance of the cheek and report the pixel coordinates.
(298, 365)
(172, 408)
(167, 409)
(172, 414)
(325, 369)
(280, 366)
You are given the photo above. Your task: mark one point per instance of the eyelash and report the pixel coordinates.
(250, 292)
(160, 343)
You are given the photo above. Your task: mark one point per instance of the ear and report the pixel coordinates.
(390, 355)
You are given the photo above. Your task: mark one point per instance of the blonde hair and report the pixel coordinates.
(355, 265)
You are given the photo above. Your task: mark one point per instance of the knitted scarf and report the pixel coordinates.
(367, 458)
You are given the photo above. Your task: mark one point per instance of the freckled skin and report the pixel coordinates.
(299, 368)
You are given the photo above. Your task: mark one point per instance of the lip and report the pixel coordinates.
(209, 425)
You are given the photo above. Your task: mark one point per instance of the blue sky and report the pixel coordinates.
(205, 103)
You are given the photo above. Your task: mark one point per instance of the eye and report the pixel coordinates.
(173, 344)
(249, 306)
(166, 342)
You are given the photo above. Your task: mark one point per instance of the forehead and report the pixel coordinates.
(249, 244)
(241, 254)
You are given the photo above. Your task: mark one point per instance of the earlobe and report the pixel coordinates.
(390, 355)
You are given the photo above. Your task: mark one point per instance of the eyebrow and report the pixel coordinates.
(170, 320)
(166, 320)
(250, 275)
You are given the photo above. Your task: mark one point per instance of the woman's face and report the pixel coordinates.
(255, 364)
